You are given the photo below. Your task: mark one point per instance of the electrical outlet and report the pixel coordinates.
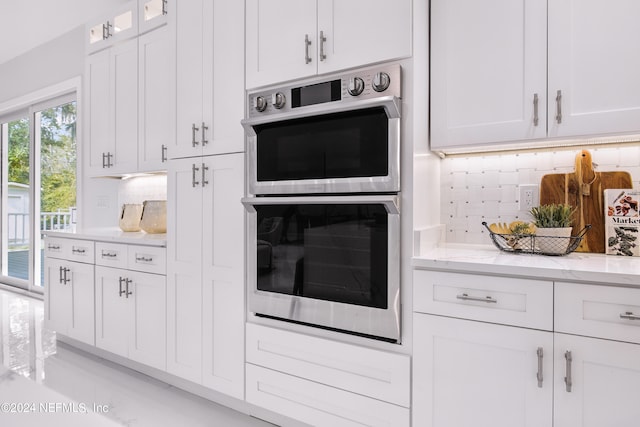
(529, 197)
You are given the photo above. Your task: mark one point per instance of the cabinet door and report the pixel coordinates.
(81, 277)
(112, 316)
(223, 274)
(148, 322)
(360, 32)
(605, 377)
(223, 106)
(58, 310)
(156, 96)
(190, 57)
(594, 60)
(153, 13)
(98, 111)
(488, 64)
(184, 268)
(276, 49)
(124, 74)
(479, 374)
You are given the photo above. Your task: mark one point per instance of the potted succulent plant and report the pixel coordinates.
(553, 227)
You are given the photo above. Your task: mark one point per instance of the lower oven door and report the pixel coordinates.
(327, 261)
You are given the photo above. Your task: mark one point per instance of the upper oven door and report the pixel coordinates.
(345, 148)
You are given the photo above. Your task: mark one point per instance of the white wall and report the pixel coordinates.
(46, 65)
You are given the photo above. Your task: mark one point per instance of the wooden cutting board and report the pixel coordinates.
(583, 190)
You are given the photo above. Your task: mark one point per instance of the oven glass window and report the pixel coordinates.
(333, 252)
(338, 145)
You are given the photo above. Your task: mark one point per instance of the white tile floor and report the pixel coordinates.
(45, 384)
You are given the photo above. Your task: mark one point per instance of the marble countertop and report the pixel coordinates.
(575, 267)
(112, 234)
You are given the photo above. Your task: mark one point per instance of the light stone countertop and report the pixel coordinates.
(112, 234)
(575, 267)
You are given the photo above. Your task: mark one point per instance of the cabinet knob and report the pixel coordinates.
(259, 104)
(278, 100)
(381, 81)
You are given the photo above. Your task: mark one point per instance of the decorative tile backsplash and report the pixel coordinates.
(477, 188)
(141, 188)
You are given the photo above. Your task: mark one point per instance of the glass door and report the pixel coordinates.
(38, 186)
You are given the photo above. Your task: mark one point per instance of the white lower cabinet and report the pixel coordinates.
(324, 382)
(69, 294)
(205, 267)
(469, 373)
(131, 315)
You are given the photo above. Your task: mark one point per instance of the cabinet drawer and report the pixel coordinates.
(149, 259)
(370, 372)
(509, 301)
(111, 254)
(598, 311)
(318, 404)
(70, 249)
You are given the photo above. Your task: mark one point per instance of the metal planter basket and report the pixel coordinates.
(527, 244)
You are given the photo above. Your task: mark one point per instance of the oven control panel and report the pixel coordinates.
(367, 83)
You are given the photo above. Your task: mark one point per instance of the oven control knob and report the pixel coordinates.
(278, 100)
(259, 103)
(381, 82)
(356, 86)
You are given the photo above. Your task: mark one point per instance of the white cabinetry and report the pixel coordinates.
(491, 83)
(324, 382)
(468, 372)
(597, 380)
(209, 80)
(112, 28)
(205, 231)
(289, 39)
(69, 290)
(111, 79)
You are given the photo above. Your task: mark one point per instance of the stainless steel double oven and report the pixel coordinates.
(323, 158)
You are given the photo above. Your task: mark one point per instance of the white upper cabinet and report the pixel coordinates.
(153, 13)
(289, 39)
(155, 100)
(488, 71)
(119, 25)
(510, 71)
(594, 60)
(209, 80)
(111, 78)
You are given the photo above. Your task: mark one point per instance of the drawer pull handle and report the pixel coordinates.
(109, 254)
(144, 259)
(53, 247)
(78, 251)
(466, 297)
(120, 290)
(629, 316)
(567, 378)
(128, 282)
(539, 375)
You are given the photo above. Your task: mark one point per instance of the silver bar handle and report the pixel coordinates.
(629, 316)
(106, 30)
(144, 259)
(61, 275)
(53, 247)
(104, 164)
(120, 290)
(535, 109)
(128, 281)
(323, 39)
(78, 251)
(164, 7)
(539, 375)
(109, 254)
(466, 297)
(559, 107)
(204, 137)
(194, 170)
(567, 379)
(194, 129)
(66, 280)
(307, 43)
(163, 155)
(205, 168)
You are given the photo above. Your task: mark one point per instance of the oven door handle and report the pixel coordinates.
(391, 104)
(391, 203)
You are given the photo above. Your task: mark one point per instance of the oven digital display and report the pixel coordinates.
(316, 94)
